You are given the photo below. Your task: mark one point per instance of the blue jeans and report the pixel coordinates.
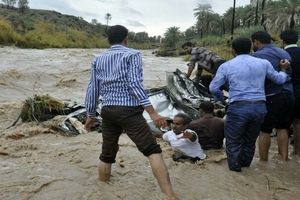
(242, 127)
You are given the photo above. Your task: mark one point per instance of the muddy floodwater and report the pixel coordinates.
(38, 163)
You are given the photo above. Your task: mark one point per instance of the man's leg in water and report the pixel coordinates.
(264, 143)
(283, 143)
(104, 171)
(296, 126)
(160, 172)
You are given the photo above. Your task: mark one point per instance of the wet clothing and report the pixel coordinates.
(189, 148)
(242, 128)
(210, 131)
(294, 52)
(280, 99)
(276, 104)
(115, 120)
(117, 77)
(245, 76)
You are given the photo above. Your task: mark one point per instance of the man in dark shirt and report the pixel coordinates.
(289, 41)
(279, 98)
(210, 129)
(203, 58)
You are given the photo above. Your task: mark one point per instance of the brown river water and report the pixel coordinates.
(38, 163)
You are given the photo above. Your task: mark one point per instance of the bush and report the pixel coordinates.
(7, 33)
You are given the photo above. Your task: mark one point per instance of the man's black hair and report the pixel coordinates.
(261, 36)
(116, 34)
(241, 45)
(186, 119)
(289, 36)
(188, 44)
(207, 107)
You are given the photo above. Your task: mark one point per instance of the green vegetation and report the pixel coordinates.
(30, 28)
(214, 31)
(47, 29)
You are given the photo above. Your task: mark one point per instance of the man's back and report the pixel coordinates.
(210, 131)
(246, 76)
(274, 55)
(204, 58)
(119, 73)
(295, 64)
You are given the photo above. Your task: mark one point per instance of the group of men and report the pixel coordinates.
(189, 137)
(117, 76)
(252, 86)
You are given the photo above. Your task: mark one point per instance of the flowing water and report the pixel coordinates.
(64, 73)
(38, 163)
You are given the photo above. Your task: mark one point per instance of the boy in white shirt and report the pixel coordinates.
(184, 140)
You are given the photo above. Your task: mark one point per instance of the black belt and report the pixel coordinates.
(285, 92)
(248, 102)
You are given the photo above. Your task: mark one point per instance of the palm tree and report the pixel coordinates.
(233, 18)
(107, 18)
(172, 36)
(263, 3)
(202, 13)
(256, 14)
(282, 14)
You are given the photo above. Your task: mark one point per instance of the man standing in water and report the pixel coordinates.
(246, 77)
(279, 98)
(117, 76)
(289, 40)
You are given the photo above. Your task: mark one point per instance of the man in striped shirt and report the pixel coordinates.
(117, 76)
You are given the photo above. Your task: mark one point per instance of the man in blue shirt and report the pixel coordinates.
(279, 98)
(117, 76)
(289, 40)
(245, 76)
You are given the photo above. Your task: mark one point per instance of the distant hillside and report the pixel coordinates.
(43, 28)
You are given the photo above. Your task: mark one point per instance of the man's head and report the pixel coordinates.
(260, 38)
(289, 37)
(117, 34)
(187, 47)
(180, 123)
(241, 46)
(206, 107)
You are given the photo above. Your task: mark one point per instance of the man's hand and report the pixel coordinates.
(191, 135)
(89, 123)
(159, 121)
(284, 64)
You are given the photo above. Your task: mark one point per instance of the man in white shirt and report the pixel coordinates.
(184, 140)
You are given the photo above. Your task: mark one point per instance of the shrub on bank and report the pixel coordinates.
(7, 33)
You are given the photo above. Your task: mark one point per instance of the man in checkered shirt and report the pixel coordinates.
(203, 58)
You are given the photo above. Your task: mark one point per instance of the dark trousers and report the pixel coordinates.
(115, 120)
(242, 127)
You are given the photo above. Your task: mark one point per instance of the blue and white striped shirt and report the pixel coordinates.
(116, 76)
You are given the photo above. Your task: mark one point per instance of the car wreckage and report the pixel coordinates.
(180, 95)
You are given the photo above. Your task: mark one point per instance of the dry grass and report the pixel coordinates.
(41, 108)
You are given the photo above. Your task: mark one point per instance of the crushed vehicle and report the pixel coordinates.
(180, 95)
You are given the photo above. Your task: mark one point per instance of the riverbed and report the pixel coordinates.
(37, 162)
